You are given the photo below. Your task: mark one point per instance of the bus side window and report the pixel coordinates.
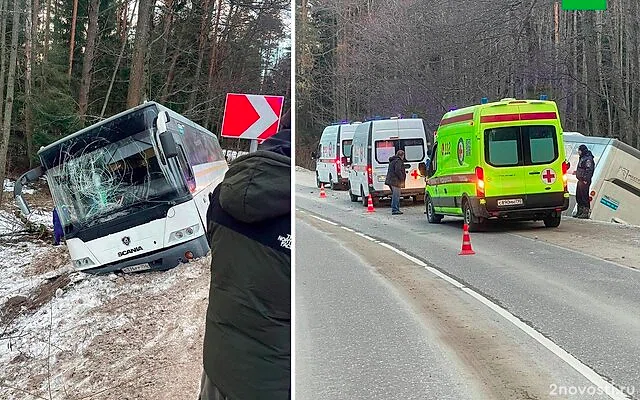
(187, 172)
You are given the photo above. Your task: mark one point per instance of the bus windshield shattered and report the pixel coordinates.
(107, 174)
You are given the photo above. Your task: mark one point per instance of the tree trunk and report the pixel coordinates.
(136, 76)
(168, 19)
(8, 105)
(73, 37)
(115, 69)
(28, 54)
(202, 43)
(3, 53)
(87, 64)
(45, 47)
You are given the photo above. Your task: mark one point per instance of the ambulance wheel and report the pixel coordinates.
(318, 183)
(365, 199)
(432, 217)
(470, 219)
(353, 197)
(552, 221)
(334, 186)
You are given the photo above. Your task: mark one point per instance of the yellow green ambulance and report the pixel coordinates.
(498, 161)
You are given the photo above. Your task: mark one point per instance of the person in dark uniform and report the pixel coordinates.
(584, 173)
(58, 232)
(396, 176)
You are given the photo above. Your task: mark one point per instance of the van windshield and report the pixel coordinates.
(413, 149)
(521, 145)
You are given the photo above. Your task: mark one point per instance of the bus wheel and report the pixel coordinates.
(470, 219)
(552, 221)
(432, 217)
(353, 197)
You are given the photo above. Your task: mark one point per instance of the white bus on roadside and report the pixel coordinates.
(332, 156)
(374, 142)
(132, 190)
(615, 186)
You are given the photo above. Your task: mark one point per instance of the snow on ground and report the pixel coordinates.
(9, 184)
(113, 337)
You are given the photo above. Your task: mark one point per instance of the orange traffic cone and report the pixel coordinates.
(323, 195)
(370, 205)
(466, 242)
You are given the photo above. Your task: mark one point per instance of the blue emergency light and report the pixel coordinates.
(377, 118)
(414, 115)
(484, 100)
(543, 97)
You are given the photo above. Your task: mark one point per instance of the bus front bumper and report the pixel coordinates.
(535, 207)
(161, 260)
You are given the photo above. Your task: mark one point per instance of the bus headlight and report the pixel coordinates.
(82, 263)
(180, 234)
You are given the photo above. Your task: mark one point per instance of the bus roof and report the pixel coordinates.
(158, 106)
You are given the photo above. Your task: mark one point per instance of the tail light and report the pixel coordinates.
(565, 168)
(479, 182)
(369, 175)
(338, 166)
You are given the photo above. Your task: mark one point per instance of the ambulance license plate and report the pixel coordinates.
(136, 268)
(510, 202)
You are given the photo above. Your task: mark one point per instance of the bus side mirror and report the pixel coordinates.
(169, 147)
(422, 167)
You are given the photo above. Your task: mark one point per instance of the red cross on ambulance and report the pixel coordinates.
(548, 176)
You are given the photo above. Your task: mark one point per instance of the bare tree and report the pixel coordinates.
(136, 77)
(87, 64)
(8, 104)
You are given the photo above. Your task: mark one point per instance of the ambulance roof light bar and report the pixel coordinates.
(543, 97)
(484, 100)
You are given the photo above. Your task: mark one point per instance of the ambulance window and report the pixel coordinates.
(543, 145)
(385, 149)
(502, 146)
(413, 149)
(346, 147)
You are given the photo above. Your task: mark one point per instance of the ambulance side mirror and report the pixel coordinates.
(422, 167)
(314, 155)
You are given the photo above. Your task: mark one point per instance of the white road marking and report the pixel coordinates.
(347, 229)
(365, 236)
(593, 377)
(324, 220)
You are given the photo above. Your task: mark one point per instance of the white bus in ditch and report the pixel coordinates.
(332, 156)
(132, 190)
(615, 186)
(374, 142)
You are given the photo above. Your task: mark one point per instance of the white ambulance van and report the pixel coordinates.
(374, 142)
(615, 186)
(333, 154)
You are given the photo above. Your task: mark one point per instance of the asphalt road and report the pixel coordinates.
(586, 306)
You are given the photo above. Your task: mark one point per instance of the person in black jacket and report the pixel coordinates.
(396, 175)
(247, 343)
(584, 173)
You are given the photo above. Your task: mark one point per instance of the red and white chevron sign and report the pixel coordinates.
(251, 116)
